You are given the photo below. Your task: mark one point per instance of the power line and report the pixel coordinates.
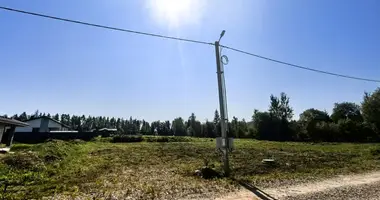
(187, 40)
(103, 26)
(301, 67)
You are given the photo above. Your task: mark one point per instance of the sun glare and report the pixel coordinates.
(176, 12)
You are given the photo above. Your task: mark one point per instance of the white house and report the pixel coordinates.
(43, 124)
(7, 127)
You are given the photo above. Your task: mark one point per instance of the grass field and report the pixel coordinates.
(154, 170)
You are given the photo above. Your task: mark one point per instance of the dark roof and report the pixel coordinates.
(14, 122)
(45, 117)
(108, 129)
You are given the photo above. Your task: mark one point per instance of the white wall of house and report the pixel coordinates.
(1, 131)
(36, 123)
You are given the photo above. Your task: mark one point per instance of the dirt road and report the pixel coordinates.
(361, 186)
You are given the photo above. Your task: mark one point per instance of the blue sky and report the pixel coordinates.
(58, 67)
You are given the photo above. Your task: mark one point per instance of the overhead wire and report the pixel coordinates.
(188, 40)
(299, 66)
(103, 26)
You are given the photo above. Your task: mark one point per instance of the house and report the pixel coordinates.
(107, 130)
(43, 124)
(7, 127)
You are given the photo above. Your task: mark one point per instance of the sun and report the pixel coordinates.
(176, 12)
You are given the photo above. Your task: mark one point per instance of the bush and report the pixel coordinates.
(353, 131)
(126, 139)
(326, 132)
(56, 150)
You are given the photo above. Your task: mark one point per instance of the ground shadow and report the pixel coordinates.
(259, 193)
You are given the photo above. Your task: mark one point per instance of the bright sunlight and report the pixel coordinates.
(175, 13)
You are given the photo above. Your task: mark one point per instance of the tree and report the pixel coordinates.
(197, 129)
(217, 126)
(308, 121)
(194, 127)
(263, 125)
(56, 117)
(145, 128)
(15, 117)
(88, 124)
(314, 114)
(234, 127)
(208, 129)
(286, 110)
(280, 108)
(346, 110)
(23, 117)
(326, 131)
(280, 115)
(164, 128)
(371, 108)
(155, 127)
(35, 115)
(274, 107)
(243, 128)
(65, 119)
(178, 127)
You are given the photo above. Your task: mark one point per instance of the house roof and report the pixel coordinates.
(14, 122)
(108, 129)
(45, 117)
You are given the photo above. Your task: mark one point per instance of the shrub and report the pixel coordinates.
(126, 139)
(327, 132)
(56, 148)
(353, 131)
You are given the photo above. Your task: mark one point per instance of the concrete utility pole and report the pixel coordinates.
(223, 107)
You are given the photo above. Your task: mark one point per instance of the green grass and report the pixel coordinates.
(152, 170)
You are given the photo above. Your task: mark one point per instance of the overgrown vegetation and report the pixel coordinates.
(139, 138)
(156, 170)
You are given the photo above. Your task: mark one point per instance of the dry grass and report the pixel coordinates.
(104, 170)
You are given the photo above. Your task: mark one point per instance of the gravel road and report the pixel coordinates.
(366, 191)
(359, 186)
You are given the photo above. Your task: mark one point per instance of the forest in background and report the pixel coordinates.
(348, 122)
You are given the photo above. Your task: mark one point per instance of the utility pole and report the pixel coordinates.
(223, 108)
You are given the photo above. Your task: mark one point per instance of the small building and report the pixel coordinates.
(7, 127)
(43, 124)
(107, 130)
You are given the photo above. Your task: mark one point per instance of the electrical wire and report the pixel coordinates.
(103, 26)
(301, 67)
(189, 40)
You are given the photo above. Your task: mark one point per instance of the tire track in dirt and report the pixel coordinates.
(324, 188)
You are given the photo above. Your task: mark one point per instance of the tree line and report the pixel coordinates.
(348, 122)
